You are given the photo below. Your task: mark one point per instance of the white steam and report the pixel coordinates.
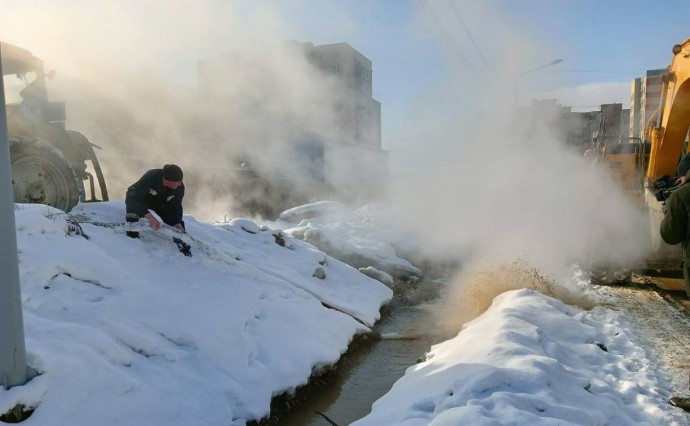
(128, 73)
(496, 188)
(484, 187)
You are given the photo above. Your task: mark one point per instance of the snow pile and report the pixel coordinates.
(131, 332)
(532, 360)
(354, 237)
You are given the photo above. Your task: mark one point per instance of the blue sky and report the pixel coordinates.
(599, 41)
(415, 45)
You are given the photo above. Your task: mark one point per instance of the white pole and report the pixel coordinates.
(13, 369)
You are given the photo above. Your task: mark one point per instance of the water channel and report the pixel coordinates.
(369, 369)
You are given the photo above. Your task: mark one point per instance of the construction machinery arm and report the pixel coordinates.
(674, 115)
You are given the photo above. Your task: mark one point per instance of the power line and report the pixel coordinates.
(600, 71)
(445, 34)
(457, 13)
(621, 97)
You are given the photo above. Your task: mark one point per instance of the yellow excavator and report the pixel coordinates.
(668, 135)
(647, 170)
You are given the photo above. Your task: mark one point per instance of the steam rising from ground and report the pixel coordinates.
(490, 187)
(474, 290)
(499, 187)
(128, 72)
(248, 118)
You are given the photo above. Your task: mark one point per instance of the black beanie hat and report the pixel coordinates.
(172, 172)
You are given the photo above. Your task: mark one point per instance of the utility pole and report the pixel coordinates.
(13, 368)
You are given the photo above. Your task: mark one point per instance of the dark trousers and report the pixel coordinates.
(132, 218)
(686, 276)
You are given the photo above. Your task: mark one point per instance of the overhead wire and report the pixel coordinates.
(445, 35)
(467, 30)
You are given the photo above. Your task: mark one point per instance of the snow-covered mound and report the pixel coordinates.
(333, 210)
(131, 332)
(532, 360)
(349, 235)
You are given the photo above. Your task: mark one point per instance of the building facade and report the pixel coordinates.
(330, 148)
(650, 98)
(357, 139)
(635, 108)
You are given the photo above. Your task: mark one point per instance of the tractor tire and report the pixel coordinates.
(42, 175)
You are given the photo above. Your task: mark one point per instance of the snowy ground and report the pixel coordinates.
(131, 332)
(532, 360)
(357, 237)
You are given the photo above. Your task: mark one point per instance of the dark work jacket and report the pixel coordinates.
(149, 193)
(674, 226)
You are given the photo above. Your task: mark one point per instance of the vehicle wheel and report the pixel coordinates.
(41, 175)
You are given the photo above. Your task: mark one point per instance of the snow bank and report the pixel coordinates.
(531, 360)
(131, 332)
(348, 235)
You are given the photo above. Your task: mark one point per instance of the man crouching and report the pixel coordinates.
(160, 190)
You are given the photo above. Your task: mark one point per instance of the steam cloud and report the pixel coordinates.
(128, 73)
(486, 188)
(496, 189)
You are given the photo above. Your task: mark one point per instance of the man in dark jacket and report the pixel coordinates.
(674, 227)
(160, 190)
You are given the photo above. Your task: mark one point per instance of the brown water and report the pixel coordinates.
(369, 370)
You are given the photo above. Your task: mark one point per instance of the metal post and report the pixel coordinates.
(13, 368)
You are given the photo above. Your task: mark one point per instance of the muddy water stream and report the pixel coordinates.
(368, 370)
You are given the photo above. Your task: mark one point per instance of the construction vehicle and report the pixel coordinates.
(667, 133)
(623, 162)
(49, 163)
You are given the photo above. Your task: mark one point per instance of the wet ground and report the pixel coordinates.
(662, 322)
(369, 369)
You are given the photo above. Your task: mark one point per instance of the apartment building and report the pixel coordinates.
(341, 160)
(650, 98)
(357, 140)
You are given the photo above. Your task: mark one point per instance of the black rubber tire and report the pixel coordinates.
(40, 175)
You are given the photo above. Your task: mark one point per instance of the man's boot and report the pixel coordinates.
(132, 218)
(683, 403)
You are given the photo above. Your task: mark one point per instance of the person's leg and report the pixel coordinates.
(132, 218)
(686, 277)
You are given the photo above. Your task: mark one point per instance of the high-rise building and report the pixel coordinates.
(353, 156)
(329, 142)
(359, 114)
(635, 108)
(650, 98)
